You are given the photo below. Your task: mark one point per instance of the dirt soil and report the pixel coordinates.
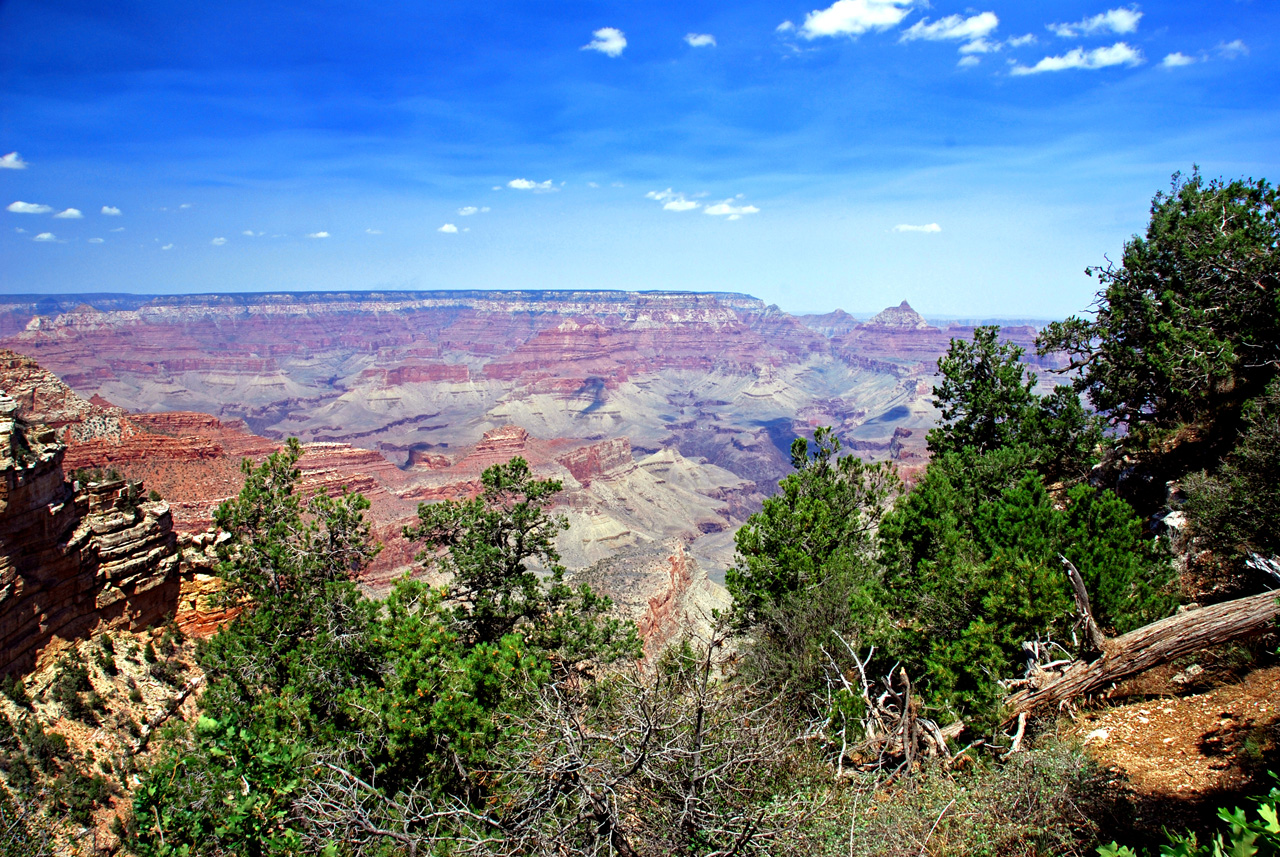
(1185, 755)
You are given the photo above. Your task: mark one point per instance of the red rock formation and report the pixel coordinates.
(662, 620)
(421, 458)
(598, 459)
(496, 447)
(73, 558)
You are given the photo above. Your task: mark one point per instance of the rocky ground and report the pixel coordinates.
(1188, 738)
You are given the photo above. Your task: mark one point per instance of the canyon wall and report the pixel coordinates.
(73, 557)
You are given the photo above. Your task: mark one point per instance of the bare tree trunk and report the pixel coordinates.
(1152, 645)
(1084, 612)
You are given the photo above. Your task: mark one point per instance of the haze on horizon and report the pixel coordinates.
(971, 160)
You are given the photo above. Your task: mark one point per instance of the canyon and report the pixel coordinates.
(667, 416)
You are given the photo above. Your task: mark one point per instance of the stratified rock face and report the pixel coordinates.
(662, 589)
(73, 559)
(420, 375)
(900, 317)
(598, 459)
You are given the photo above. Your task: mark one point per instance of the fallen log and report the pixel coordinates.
(1150, 646)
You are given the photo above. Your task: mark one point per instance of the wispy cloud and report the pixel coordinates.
(1234, 49)
(167, 247)
(448, 228)
(12, 161)
(536, 187)
(95, 241)
(700, 40)
(20, 207)
(468, 210)
(318, 235)
(1118, 54)
(672, 200)
(69, 214)
(953, 28)
(855, 17)
(45, 237)
(1177, 60)
(111, 211)
(608, 40)
(910, 227)
(118, 229)
(372, 231)
(218, 242)
(1118, 21)
(730, 209)
(968, 61)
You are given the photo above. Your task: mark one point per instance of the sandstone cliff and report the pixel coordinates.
(73, 557)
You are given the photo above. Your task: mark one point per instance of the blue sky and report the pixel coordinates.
(970, 159)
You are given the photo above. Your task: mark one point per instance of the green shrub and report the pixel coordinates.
(76, 795)
(13, 687)
(71, 690)
(1245, 836)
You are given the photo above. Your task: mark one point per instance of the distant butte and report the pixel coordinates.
(900, 317)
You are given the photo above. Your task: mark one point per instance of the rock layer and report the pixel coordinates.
(73, 557)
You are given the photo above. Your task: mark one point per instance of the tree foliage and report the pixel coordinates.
(1187, 327)
(828, 509)
(314, 683)
(973, 570)
(1235, 508)
(988, 402)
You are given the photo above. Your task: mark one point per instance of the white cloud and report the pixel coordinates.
(734, 211)
(1234, 49)
(218, 242)
(468, 210)
(785, 27)
(927, 227)
(1177, 59)
(248, 232)
(700, 40)
(953, 27)
(536, 187)
(672, 200)
(855, 17)
(318, 235)
(980, 46)
(167, 247)
(110, 211)
(608, 40)
(185, 205)
(118, 229)
(968, 61)
(1019, 41)
(69, 214)
(95, 240)
(12, 161)
(20, 207)
(448, 227)
(45, 236)
(19, 230)
(1112, 21)
(372, 231)
(1118, 54)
